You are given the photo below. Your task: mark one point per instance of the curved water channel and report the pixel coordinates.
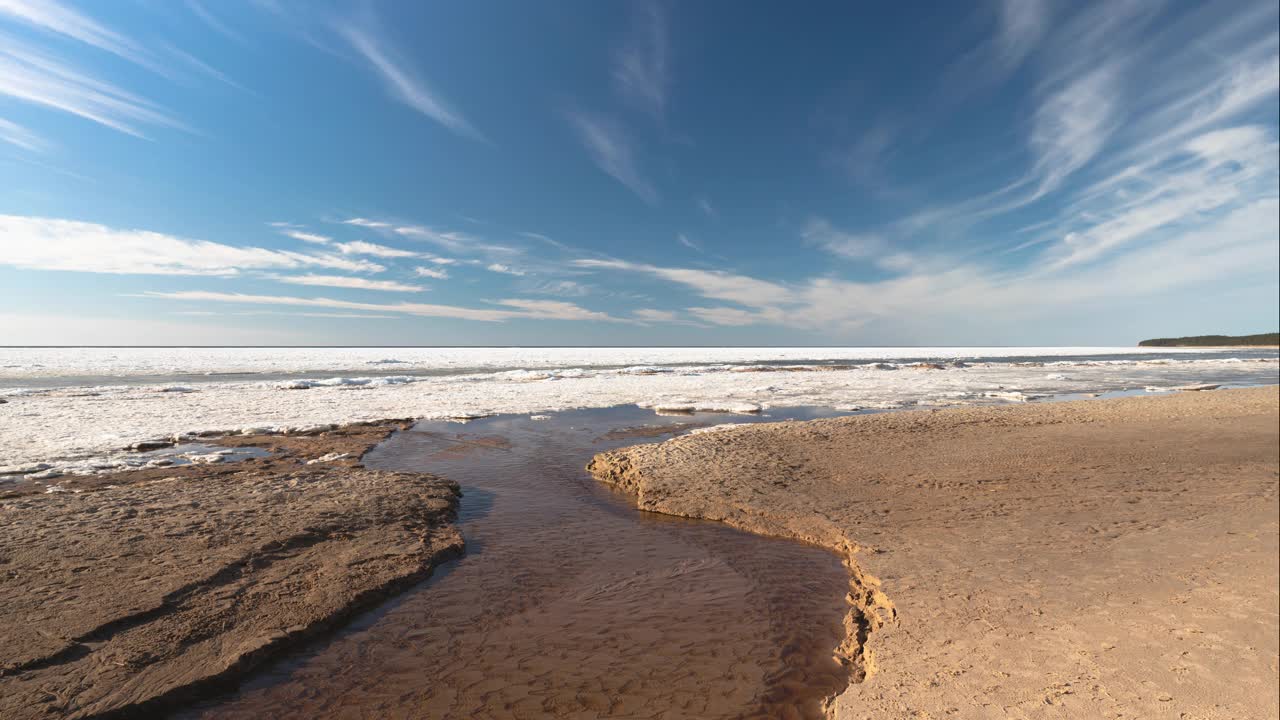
(569, 603)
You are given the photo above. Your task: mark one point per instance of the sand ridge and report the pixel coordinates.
(1105, 558)
(129, 593)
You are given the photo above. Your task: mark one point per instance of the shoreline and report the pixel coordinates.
(79, 430)
(227, 565)
(935, 512)
(873, 598)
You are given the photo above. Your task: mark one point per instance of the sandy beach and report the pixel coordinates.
(129, 593)
(1105, 558)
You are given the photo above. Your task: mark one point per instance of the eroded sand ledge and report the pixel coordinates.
(117, 601)
(1112, 558)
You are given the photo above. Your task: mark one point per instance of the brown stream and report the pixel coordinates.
(569, 603)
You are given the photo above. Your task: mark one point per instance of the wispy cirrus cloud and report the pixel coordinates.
(655, 316)
(689, 242)
(512, 309)
(707, 208)
(864, 247)
(558, 310)
(611, 150)
(201, 66)
(15, 134)
(856, 246)
(360, 247)
(1218, 169)
(40, 243)
(344, 281)
(562, 288)
(305, 236)
(651, 316)
(367, 223)
(1170, 255)
(37, 77)
(1016, 32)
(54, 17)
(434, 273)
(715, 284)
(450, 240)
(1119, 101)
(453, 241)
(503, 269)
(403, 84)
(1021, 25)
(198, 9)
(736, 317)
(1072, 126)
(42, 77)
(640, 64)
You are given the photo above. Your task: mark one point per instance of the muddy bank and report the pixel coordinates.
(1107, 558)
(126, 593)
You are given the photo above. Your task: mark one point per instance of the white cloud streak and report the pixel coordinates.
(1220, 169)
(360, 247)
(449, 240)
(34, 76)
(367, 223)
(54, 244)
(563, 288)
(198, 9)
(855, 246)
(611, 151)
(307, 237)
(513, 309)
(1071, 127)
(640, 67)
(559, 310)
(341, 281)
(15, 134)
(431, 273)
(714, 284)
(503, 269)
(55, 17)
(1195, 235)
(403, 85)
(1021, 25)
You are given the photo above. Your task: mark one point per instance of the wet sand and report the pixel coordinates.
(126, 594)
(570, 604)
(1103, 558)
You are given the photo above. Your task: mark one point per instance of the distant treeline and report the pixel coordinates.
(1262, 339)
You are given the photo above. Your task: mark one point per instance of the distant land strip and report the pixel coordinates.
(1211, 340)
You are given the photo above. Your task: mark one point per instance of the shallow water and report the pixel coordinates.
(570, 603)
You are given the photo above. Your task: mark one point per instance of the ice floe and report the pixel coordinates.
(80, 428)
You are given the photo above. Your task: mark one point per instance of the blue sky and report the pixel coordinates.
(275, 172)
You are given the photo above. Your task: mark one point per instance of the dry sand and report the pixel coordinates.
(146, 589)
(1096, 559)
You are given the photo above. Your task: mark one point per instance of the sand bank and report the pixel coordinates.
(1110, 558)
(127, 592)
